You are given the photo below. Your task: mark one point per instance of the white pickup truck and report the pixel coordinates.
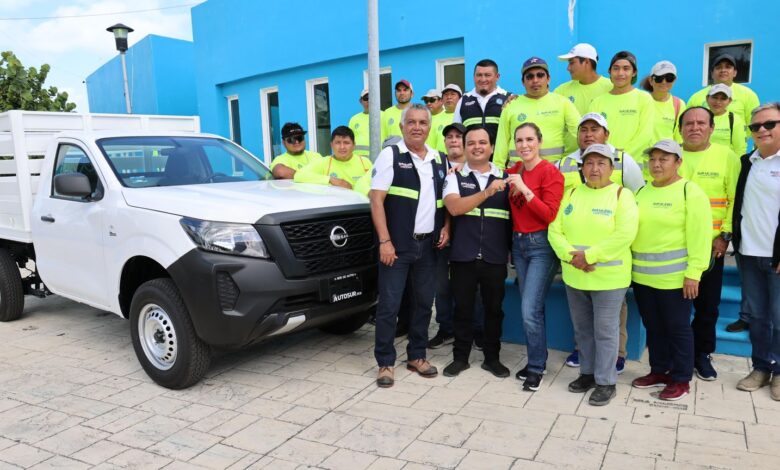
(185, 234)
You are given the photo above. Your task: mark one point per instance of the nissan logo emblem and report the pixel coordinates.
(338, 236)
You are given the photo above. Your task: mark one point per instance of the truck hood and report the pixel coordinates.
(240, 202)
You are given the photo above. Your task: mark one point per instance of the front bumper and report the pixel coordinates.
(236, 301)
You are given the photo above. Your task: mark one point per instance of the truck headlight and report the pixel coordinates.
(221, 237)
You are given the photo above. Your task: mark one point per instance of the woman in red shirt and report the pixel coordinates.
(535, 195)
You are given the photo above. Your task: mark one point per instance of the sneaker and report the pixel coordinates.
(774, 389)
(652, 380)
(385, 377)
(574, 359)
(582, 384)
(479, 340)
(602, 395)
(422, 367)
(737, 326)
(441, 339)
(495, 367)
(755, 380)
(522, 374)
(620, 365)
(674, 391)
(455, 367)
(533, 382)
(703, 367)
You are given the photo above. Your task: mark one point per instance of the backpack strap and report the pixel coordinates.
(620, 190)
(677, 106)
(731, 127)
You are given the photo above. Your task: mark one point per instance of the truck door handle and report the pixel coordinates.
(47, 218)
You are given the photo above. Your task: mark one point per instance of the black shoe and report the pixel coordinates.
(737, 326)
(602, 395)
(441, 339)
(702, 364)
(522, 374)
(455, 367)
(495, 367)
(533, 382)
(583, 383)
(479, 340)
(401, 330)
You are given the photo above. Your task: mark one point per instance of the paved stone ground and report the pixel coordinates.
(72, 395)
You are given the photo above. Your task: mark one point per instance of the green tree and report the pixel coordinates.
(22, 88)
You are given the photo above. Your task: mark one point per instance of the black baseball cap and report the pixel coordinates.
(455, 125)
(292, 128)
(727, 57)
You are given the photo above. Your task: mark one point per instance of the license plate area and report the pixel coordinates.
(344, 287)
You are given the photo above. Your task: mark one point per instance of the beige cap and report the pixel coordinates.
(720, 88)
(603, 150)
(596, 117)
(668, 146)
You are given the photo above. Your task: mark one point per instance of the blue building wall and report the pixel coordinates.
(244, 45)
(160, 79)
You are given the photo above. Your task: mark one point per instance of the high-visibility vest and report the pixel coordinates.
(471, 113)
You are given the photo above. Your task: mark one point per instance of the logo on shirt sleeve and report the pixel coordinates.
(522, 117)
(569, 209)
(571, 98)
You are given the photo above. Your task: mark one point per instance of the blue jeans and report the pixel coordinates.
(445, 301)
(419, 264)
(761, 295)
(536, 265)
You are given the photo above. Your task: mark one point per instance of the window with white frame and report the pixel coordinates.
(318, 106)
(742, 51)
(234, 119)
(451, 71)
(386, 91)
(272, 138)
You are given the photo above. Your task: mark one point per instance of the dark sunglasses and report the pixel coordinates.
(430, 100)
(768, 125)
(364, 98)
(531, 75)
(295, 139)
(669, 77)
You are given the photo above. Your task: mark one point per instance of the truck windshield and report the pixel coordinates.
(141, 162)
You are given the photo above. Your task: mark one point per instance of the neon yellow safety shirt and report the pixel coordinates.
(630, 117)
(715, 170)
(356, 170)
(555, 115)
(743, 100)
(673, 241)
(359, 125)
(581, 95)
(296, 162)
(730, 133)
(665, 125)
(603, 223)
(438, 122)
(391, 120)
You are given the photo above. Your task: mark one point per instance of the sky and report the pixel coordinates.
(76, 47)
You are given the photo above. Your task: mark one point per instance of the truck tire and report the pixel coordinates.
(11, 290)
(163, 337)
(349, 324)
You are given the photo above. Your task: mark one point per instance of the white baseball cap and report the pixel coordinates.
(598, 118)
(662, 68)
(432, 93)
(453, 87)
(582, 49)
(720, 88)
(602, 150)
(668, 146)
(364, 92)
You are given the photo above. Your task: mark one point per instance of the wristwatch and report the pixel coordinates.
(726, 236)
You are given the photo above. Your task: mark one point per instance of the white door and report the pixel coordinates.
(68, 233)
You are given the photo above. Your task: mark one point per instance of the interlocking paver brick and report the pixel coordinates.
(579, 454)
(350, 459)
(331, 427)
(615, 461)
(71, 440)
(476, 460)
(450, 430)
(643, 441)
(263, 435)
(24, 455)
(380, 438)
(436, 455)
(99, 452)
(512, 440)
(303, 452)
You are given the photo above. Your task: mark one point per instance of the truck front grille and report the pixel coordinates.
(316, 243)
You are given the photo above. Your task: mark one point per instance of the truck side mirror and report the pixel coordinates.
(72, 184)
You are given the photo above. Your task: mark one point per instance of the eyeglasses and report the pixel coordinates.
(364, 98)
(669, 77)
(430, 100)
(295, 139)
(531, 75)
(768, 125)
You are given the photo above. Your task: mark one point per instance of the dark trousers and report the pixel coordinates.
(465, 279)
(666, 316)
(445, 301)
(419, 266)
(705, 306)
(761, 297)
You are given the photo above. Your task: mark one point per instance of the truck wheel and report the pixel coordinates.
(164, 338)
(11, 290)
(349, 324)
